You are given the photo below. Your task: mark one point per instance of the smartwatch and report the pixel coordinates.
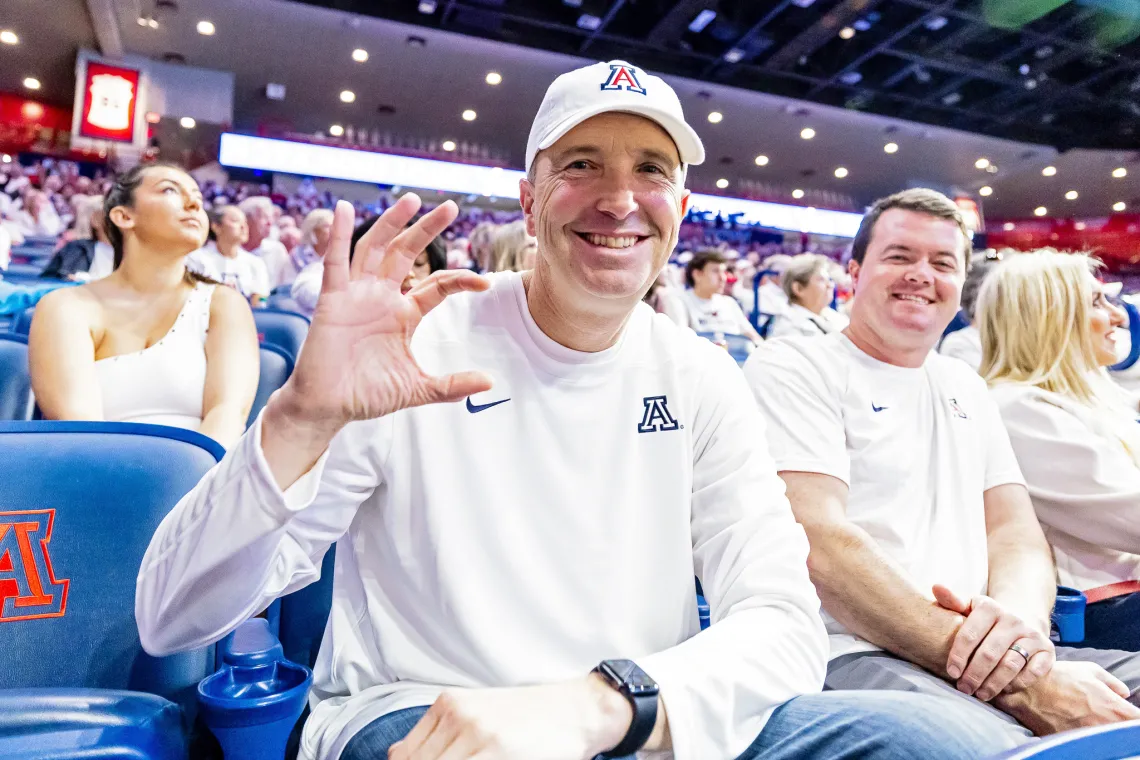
(641, 691)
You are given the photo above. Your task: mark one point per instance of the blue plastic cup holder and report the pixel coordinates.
(253, 700)
(1069, 615)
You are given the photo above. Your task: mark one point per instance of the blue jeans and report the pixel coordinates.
(835, 725)
(1113, 624)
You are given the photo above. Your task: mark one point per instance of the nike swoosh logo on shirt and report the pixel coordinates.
(476, 408)
(873, 407)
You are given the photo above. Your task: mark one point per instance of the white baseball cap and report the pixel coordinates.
(605, 87)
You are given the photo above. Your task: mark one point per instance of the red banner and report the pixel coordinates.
(110, 99)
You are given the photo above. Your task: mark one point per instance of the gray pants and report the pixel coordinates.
(880, 670)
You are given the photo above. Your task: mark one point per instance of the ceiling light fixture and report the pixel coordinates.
(206, 28)
(6, 159)
(1120, 173)
(891, 148)
(840, 172)
(427, 7)
(807, 133)
(494, 77)
(347, 96)
(797, 193)
(1008, 226)
(715, 117)
(1040, 211)
(1071, 195)
(761, 160)
(8, 37)
(1049, 171)
(722, 183)
(734, 55)
(982, 163)
(336, 130)
(1119, 206)
(986, 191)
(846, 33)
(702, 19)
(187, 122)
(360, 55)
(589, 22)
(32, 83)
(469, 115)
(448, 145)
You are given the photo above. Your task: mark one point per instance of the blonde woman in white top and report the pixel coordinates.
(152, 342)
(808, 285)
(1047, 334)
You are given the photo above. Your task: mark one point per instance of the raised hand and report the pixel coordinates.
(356, 363)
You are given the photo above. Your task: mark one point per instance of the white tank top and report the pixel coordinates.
(162, 384)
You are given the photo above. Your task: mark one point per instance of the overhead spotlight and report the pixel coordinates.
(715, 117)
(891, 148)
(951, 99)
(32, 83)
(986, 191)
(846, 33)
(1118, 206)
(336, 130)
(206, 28)
(1031, 84)
(494, 77)
(1071, 195)
(1049, 171)
(8, 37)
(469, 115)
(347, 96)
(722, 183)
(761, 160)
(448, 145)
(840, 172)
(982, 163)
(589, 22)
(1008, 226)
(934, 23)
(734, 55)
(807, 133)
(1023, 69)
(187, 122)
(701, 20)
(1120, 173)
(360, 55)
(6, 159)
(1040, 211)
(921, 75)
(797, 193)
(427, 7)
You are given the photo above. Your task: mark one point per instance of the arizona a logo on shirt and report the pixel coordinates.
(28, 586)
(623, 77)
(656, 417)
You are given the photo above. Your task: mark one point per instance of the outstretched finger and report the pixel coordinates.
(409, 244)
(1113, 683)
(336, 258)
(431, 292)
(455, 387)
(372, 247)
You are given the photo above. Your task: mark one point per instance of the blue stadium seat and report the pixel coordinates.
(79, 502)
(1115, 742)
(22, 322)
(15, 380)
(276, 366)
(304, 613)
(1134, 334)
(283, 302)
(738, 346)
(284, 329)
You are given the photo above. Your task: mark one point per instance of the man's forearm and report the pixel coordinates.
(1022, 577)
(862, 588)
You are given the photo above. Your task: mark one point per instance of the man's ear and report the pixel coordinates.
(122, 217)
(853, 270)
(526, 200)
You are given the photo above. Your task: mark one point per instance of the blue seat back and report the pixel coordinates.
(738, 346)
(284, 329)
(276, 366)
(79, 503)
(15, 379)
(22, 322)
(1134, 335)
(1115, 742)
(304, 614)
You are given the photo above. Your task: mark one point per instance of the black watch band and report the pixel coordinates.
(641, 691)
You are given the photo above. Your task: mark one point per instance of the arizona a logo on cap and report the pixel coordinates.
(623, 77)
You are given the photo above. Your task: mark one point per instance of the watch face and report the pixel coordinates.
(632, 677)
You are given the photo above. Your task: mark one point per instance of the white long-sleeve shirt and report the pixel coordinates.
(521, 537)
(307, 287)
(1081, 466)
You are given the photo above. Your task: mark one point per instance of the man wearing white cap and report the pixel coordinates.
(516, 547)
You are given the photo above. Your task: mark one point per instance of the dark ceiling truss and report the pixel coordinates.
(792, 51)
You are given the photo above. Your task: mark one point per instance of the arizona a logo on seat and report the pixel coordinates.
(656, 417)
(623, 77)
(28, 586)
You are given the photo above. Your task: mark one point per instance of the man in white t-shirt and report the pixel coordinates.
(501, 533)
(709, 310)
(261, 215)
(773, 299)
(932, 568)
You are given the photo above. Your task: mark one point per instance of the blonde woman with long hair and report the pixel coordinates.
(513, 249)
(1047, 333)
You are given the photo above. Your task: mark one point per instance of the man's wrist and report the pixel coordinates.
(610, 712)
